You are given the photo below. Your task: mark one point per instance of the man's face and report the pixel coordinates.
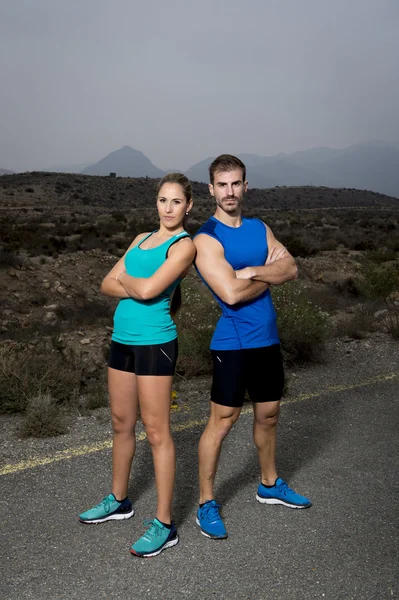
(228, 189)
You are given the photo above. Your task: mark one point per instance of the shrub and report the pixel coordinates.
(28, 372)
(391, 321)
(378, 282)
(9, 259)
(380, 255)
(358, 323)
(196, 322)
(43, 418)
(302, 326)
(95, 392)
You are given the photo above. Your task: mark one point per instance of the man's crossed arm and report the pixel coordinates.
(279, 267)
(219, 274)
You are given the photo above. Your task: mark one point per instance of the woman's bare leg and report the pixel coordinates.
(155, 397)
(122, 388)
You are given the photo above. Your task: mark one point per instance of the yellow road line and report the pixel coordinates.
(31, 463)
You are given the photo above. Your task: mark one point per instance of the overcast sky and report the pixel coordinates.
(183, 80)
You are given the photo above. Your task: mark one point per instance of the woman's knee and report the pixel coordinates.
(123, 423)
(157, 436)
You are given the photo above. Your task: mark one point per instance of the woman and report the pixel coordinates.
(142, 360)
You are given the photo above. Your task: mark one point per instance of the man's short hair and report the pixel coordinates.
(226, 162)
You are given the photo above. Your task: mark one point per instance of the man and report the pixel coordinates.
(239, 259)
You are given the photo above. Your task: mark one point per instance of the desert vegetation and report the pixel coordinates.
(60, 234)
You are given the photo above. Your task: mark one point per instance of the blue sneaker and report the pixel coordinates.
(210, 521)
(109, 509)
(156, 538)
(280, 493)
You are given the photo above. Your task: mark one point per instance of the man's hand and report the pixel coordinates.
(275, 253)
(246, 273)
(220, 276)
(279, 266)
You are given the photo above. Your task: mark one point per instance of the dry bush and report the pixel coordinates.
(391, 321)
(379, 281)
(302, 325)
(26, 372)
(44, 417)
(359, 323)
(196, 322)
(10, 259)
(95, 393)
(380, 255)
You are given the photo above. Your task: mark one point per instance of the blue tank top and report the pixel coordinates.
(249, 324)
(145, 322)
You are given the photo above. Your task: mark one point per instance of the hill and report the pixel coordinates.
(125, 162)
(66, 191)
(5, 172)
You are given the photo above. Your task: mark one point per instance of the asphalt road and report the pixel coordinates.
(338, 446)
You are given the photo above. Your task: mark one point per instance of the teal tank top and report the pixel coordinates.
(145, 322)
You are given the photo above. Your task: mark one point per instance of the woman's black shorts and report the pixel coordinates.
(259, 371)
(154, 359)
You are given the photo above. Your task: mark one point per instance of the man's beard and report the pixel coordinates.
(222, 203)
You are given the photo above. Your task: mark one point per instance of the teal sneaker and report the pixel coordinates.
(280, 493)
(210, 521)
(156, 538)
(109, 509)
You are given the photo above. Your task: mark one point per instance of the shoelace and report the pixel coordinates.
(154, 530)
(283, 488)
(210, 512)
(106, 502)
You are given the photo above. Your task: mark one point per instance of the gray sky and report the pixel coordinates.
(182, 80)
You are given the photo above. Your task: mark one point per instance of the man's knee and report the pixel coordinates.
(267, 418)
(221, 424)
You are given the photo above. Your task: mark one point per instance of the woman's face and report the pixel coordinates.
(172, 205)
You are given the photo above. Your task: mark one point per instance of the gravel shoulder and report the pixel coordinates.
(347, 363)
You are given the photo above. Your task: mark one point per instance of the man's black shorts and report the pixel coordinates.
(259, 371)
(154, 359)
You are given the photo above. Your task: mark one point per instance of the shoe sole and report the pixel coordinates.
(211, 537)
(277, 501)
(117, 517)
(167, 545)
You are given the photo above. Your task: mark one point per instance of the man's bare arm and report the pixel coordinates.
(219, 274)
(279, 267)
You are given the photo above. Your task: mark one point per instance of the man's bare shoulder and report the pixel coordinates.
(204, 241)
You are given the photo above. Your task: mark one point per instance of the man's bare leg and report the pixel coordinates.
(277, 491)
(221, 420)
(264, 431)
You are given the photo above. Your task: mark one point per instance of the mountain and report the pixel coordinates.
(284, 172)
(125, 162)
(265, 172)
(367, 167)
(371, 165)
(199, 171)
(313, 156)
(5, 172)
